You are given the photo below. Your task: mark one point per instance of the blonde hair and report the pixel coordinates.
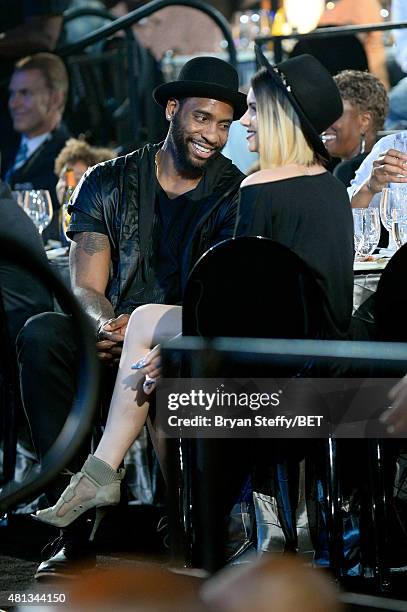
(78, 150)
(280, 136)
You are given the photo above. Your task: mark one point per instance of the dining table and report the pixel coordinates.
(366, 273)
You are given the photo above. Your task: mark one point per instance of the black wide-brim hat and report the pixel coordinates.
(205, 77)
(312, 92)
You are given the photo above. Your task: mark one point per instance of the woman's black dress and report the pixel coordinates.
(311, 215)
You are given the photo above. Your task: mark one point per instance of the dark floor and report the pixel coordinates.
(127, 536)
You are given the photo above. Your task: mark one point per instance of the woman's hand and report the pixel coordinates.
(389, 167)
(152, 363)
(150, 366)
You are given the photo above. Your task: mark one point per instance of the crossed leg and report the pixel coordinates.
(148, 326)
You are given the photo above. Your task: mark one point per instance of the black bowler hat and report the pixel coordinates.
(311, 90)
(205, 77)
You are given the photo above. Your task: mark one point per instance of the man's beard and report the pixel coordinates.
(183, 161)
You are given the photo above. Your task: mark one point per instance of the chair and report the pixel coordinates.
(243, 287)
(8, 399)
(254, 287)
(391, 300)
(390, 310)
(365, 356)
(80, 418)
(99, 97)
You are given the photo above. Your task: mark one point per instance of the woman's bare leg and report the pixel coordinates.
(148, 326)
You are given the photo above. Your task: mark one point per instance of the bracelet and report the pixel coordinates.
(371, 190)
(368, 185)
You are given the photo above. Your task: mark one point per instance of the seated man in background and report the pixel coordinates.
(26, 27)
(38, 92)
(22, 294)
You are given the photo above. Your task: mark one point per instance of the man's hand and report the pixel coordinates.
(390, 167)
(110, 338)
(395, 417)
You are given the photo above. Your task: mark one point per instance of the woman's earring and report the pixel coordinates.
(362, 144)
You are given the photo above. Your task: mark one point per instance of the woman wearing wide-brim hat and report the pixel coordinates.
(292, 198)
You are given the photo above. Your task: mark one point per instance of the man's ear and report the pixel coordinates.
(56, 100)
(171, 109)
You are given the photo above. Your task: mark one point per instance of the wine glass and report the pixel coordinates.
(357, 227)
(386, 206)
(38, 206)
(366, 225)
(399, 227)
(393, 203)
(393, 210)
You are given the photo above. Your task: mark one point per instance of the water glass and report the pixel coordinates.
(400, 196)
(394, 198)
(400, 141)
(38, 206)
(366, 224)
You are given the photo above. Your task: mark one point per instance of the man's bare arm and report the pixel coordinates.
(89, 262)
(36, 34)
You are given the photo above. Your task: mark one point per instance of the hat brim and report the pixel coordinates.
(200, 89)
(310, 133)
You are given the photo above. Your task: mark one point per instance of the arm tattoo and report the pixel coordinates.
(91, 242)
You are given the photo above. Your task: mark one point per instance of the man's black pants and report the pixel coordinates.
(47, 354)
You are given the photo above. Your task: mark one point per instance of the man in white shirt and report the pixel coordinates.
(397, 117)
(38, 91)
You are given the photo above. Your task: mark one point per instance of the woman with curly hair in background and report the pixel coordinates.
(354, 134)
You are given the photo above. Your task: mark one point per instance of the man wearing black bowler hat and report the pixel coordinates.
(139, 222)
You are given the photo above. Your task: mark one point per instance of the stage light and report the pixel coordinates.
(303, 16)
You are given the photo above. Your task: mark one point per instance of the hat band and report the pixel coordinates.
(282, 76)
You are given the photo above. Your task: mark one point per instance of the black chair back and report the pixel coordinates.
(391, 299)
(247, 287)
(252, 287)
(8, 399)
(99, 103)
(80, 417)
